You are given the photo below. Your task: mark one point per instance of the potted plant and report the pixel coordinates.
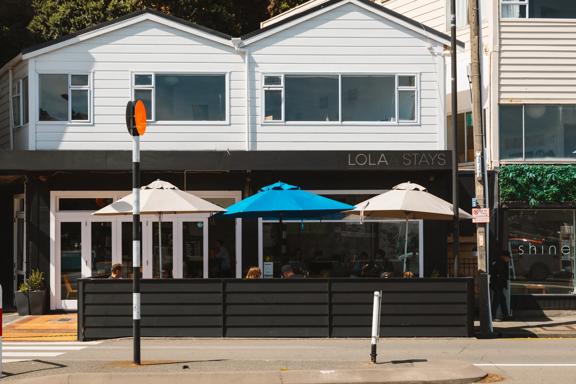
(31, 296)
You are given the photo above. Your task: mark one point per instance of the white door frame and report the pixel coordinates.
(19, 214)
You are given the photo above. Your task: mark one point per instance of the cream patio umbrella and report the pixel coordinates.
(407, 201)
(158, 198)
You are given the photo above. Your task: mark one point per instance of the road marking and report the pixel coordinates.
(42, 348)
(526, 365)
(32, 354)
(25, 351)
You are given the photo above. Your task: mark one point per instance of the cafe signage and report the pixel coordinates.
(397, 160)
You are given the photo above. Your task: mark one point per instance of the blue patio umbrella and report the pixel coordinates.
(285, 202)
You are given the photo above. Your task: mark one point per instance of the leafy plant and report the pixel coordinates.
(34, 282)
(538, 184)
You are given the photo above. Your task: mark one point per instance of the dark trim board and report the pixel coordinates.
(37, 161)
(276, 308)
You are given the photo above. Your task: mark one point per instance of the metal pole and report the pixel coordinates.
(455, 183)
(405, 246)
(136, 246)
(160, 246)
(375, 325)
(479, 176)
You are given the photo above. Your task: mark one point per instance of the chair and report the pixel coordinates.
(68, 285)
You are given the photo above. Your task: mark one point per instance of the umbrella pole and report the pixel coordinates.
(160, 245)
(405, 245)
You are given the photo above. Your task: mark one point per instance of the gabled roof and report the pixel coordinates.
(325, 6)
(121, 22)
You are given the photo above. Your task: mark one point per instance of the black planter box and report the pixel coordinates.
(32, 303)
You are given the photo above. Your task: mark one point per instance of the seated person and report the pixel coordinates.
(288, 273)
(116, 272)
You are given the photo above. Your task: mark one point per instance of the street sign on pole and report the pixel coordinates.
(480, 215)
(136, 125)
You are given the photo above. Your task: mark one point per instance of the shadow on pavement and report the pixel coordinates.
(50, 366)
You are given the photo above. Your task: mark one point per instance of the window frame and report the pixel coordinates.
(340, 121)
(154, 121)
(89, 87)
(518, 3)
(276, 87)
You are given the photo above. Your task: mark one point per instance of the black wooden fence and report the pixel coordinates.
(276, 307)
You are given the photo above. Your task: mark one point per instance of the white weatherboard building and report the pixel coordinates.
(345, 98)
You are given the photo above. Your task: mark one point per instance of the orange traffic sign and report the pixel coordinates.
(140, 117)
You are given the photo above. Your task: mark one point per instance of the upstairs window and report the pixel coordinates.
(182, 97)
(20, 102)
(64, 97)
(340, 98)
(538, 9)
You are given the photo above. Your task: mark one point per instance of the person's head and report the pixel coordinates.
(386, 275)
(408, 275)
(505, 255)
(287, 271)
(116, 271)
(254, 273)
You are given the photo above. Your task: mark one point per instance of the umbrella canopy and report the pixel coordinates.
(408, 201)
(285, 201)
(161, 197)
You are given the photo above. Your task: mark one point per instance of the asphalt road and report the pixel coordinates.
(517, 360)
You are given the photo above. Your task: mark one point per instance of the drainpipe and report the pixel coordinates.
(237, 42)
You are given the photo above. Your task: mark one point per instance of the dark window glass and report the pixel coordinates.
(311, 98)
(79, 104)
(53, 97)
(407, 105)
(190, 97)
(146, 96)
(541, 243)
(552, 9)
(70, 259)
(272, 80)
(342, 249)
(543, 136)
(568, 121)
(79, 80)
(82, 204)
(143, 80)
(510, 132)
(369, 98)
(193, 249)
(101, 249)
(164, 258)
(25, 100)
(273, 105)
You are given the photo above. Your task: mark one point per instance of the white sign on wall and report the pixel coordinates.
(480, 215)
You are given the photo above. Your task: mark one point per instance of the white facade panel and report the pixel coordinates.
(4, 111)
(429, 12)
(350, 40)
(111, 59)
(537, 61)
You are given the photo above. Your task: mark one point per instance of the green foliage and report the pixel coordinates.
(14, 17)
(538, 184)
(34, 282)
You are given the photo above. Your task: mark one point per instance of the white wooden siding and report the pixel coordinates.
(4, 112)
(144, 47)
(350, 39)
(537, 61)
(431, 13)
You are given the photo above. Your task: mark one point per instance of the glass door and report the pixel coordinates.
(193, 248)
(72, 262)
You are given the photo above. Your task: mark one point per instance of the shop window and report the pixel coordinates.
(340, 98)
(465, 137)
(537, 131)
(542, 245)
(342, 248)
(538, 9)
(182, 97)
(64, 97)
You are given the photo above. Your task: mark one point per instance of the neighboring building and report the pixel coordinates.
(346, 99)
(529, 54)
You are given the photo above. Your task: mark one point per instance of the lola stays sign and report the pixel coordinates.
(398, 160)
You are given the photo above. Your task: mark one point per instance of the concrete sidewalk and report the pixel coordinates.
(402, 372)
(547, 327)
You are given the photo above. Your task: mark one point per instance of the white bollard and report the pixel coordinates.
(375, 324)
